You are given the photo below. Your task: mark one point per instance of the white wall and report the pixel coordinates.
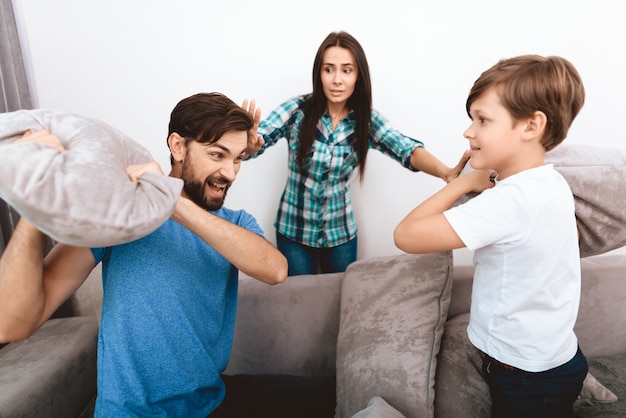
(129, 62)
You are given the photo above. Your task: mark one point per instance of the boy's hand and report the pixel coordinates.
(479, 180)
(255, 142)
(42, 137)
(135, 171)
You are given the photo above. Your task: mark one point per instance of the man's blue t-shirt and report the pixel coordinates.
(168, 316)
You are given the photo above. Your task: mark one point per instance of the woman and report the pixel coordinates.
(329, 133)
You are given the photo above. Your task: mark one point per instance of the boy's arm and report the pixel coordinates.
(425, 229)
(31, 287)
(249, 252)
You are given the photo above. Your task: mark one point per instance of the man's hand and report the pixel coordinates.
(135, 171)
(42, 137)
(255, 141)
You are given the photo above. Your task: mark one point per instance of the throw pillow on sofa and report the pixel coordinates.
(82, 196)
(460, 386)
(378, 408)
(393, 310)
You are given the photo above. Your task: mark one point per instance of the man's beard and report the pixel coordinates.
(195, 189)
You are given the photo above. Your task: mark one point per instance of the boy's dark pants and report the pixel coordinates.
(517, 393)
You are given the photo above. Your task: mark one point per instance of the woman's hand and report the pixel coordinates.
(255, 141)
(455, 171)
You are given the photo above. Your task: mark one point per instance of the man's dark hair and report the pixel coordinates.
(205, 117)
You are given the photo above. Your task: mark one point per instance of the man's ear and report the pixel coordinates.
(177, 146)
(536, 125)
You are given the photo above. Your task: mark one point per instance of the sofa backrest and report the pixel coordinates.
(290, 328)
(600, 324)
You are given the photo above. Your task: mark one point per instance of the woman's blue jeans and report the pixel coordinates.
(517, 393)
(308, 260)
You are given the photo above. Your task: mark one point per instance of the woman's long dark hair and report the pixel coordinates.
(360, 102)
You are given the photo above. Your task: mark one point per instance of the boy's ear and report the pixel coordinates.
(177, 146)
(536, 125)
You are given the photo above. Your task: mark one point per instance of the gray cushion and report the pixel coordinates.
(392, 314)
(81, 196)
(378, 408)
(460, 386)
(597, 177)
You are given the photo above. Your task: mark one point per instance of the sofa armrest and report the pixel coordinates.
(290, 328)
(53, 372)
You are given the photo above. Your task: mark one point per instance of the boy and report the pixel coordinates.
(523, 230)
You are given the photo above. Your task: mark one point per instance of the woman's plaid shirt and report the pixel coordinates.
(315, 208)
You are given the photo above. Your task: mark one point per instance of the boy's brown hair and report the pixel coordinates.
(529, 83)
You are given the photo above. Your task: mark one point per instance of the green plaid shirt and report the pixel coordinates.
(315, 208)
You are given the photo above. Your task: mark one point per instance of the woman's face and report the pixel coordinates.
(339, 74)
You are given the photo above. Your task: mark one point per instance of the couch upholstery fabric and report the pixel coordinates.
(272, 320)
(597, 177)
(393, 310)
(63, 351)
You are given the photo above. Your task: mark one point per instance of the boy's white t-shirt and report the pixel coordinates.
(526, 287)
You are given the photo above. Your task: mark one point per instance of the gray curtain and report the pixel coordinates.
(14, 94)
(14, 91)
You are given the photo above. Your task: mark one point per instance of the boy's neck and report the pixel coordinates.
(533, 157)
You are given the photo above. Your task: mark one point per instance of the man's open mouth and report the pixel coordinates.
(220, 187)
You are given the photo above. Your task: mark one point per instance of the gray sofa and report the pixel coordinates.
(302, 327)
(391, 329)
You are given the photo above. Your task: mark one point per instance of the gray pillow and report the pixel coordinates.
(82, 196)
(378, 408)
(392, 315)
(597, 177)
(460, 386)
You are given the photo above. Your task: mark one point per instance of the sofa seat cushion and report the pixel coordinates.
(392, 314)
(53, 372)
(81, 196)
